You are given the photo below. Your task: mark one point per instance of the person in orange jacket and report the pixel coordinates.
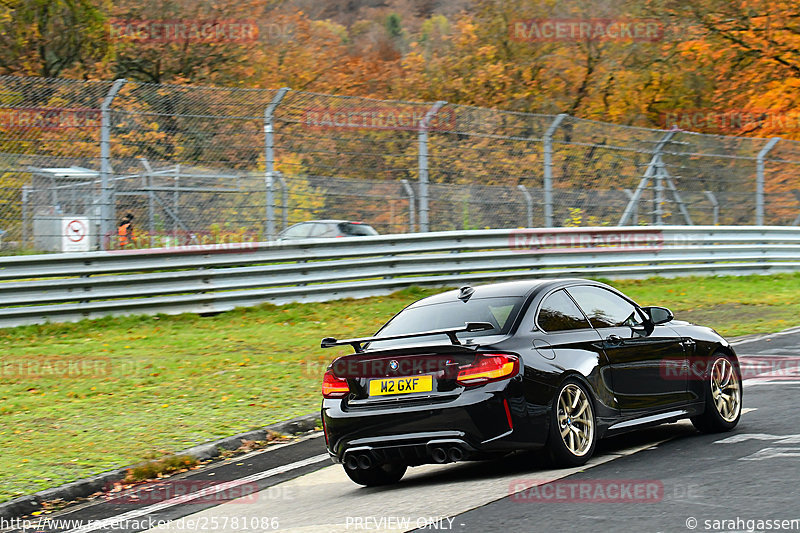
(125, 231)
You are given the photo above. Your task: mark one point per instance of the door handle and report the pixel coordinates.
(614, 339)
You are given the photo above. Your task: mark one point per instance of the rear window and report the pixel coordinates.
(559, 313)
(500, 312)
(356, 230)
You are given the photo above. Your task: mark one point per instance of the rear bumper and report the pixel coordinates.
(474, 422)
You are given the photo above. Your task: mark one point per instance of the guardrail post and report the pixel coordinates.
(269, 162)
(412, 200)
(528, 203)
(548, 169)
(714, 204)
(422, 137)
(760, 179)
(106, 207)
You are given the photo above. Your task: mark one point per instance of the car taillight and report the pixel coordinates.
(488, 367)
(333, 387)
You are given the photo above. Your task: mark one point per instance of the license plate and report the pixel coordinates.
(408, 385)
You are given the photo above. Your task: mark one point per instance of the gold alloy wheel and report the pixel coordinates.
(725, 389)
(575, 420)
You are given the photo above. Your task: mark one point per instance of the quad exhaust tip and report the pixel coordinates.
(351, 462)
(364, 461)
(354, 462)
(439, 455)
(452, 454)
(455, 454)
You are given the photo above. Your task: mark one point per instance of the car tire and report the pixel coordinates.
(722, 387)
(573, 426)
(385, 474)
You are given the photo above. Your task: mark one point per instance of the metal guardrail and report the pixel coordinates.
(216, 278)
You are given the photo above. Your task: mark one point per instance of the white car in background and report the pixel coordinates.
(321, 229)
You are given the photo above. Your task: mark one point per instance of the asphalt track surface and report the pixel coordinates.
(668, 478)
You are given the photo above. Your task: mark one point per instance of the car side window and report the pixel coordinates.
(559, 313)
(604, 308)
(322, 229)
(299, 231)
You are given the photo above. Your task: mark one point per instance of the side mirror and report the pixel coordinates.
(659, 315)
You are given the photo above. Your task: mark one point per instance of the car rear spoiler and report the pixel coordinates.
(329, 342)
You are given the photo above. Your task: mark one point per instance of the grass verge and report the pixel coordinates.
(78, 399)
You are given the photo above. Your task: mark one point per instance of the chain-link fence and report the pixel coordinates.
(88, 165)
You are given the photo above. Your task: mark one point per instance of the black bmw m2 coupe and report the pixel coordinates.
(487, 370)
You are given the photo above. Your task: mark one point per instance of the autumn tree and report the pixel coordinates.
(747, 52)
(183, 41)
(51, 38)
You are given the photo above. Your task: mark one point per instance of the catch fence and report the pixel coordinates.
(201, 165)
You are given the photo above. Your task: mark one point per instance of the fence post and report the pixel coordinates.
(106, 208)
(528, 204)
(26, 191)
(422, 137)
(176, 203)
(714, 205)
(412, 201)
(284, 201)
(654, 169)
(548, 169)
(658, 198)
(796, 220)
(269, 162)
(635, 212)
(151, 204)
(760, 179)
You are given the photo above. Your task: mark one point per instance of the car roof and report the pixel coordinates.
(508, 288)
(331, 221)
